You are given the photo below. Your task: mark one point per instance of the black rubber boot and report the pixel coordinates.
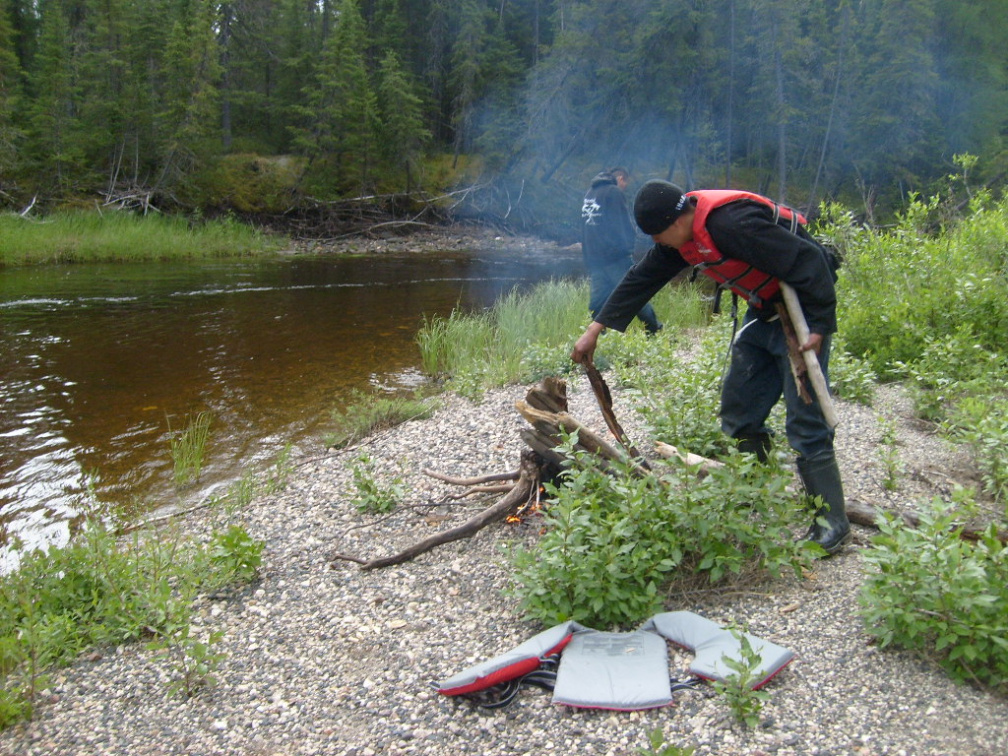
(822, 478)
(759, 444)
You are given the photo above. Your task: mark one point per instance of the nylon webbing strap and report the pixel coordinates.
(794, 218)
(504, 694)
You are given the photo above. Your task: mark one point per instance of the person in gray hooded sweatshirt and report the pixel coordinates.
(749, 244)
(607, 241)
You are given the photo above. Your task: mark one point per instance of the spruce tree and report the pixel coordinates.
(10, 97)
(341, 109)
(402, 127)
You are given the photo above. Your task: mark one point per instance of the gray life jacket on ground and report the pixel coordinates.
(589, 668)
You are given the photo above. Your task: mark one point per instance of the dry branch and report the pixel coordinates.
(498, 477)
(692, 460)
(524, 489)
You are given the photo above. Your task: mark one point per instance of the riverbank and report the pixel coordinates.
(325, 659)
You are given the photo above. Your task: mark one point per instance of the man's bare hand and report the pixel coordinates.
(584, 347)
(813, 343)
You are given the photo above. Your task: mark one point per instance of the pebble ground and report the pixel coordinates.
(323, 658)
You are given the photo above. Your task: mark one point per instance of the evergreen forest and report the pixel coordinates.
(507, 107)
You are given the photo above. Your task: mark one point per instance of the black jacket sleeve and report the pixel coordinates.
(659, 266)
(745, 230)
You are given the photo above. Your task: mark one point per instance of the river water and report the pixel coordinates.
(100, 364)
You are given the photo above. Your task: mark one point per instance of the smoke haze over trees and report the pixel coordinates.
(252, 104)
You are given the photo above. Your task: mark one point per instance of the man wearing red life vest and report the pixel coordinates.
(748, 244)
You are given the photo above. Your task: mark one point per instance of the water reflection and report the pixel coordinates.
(100, 362)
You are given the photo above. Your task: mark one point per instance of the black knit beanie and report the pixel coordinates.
(657, 205)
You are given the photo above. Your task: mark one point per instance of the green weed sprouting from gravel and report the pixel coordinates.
(372, 495)
(892, 465)
(744, 701)
(658, 746)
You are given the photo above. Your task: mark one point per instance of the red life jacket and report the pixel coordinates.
(742, 278)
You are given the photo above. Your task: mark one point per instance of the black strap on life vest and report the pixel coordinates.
(503, 694)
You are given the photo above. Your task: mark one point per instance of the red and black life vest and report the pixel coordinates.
(742, 278)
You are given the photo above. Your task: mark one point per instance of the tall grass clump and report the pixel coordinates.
(188, 449)
(117, 236)
(500, 345)
(367, 413)
(526, 336)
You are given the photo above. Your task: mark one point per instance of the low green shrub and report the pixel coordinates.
(982, 424)
(932, 592)
(372, 495)
(98, 590)
(679, 392)
(615, 543)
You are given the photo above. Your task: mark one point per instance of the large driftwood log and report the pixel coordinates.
(545, 408)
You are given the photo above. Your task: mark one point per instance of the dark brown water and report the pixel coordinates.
(99, 363)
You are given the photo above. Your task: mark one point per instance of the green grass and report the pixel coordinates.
(526, 336)
(103, 591)
(365, 414)
(116, 236)
(188, 449)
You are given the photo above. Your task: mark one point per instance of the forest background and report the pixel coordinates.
(501, 109)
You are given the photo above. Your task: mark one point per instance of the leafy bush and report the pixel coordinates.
(931, 591)
(900, 289)
(952, 367)
(680, 393)
(615, 543)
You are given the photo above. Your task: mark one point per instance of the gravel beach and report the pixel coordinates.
(323, 658)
